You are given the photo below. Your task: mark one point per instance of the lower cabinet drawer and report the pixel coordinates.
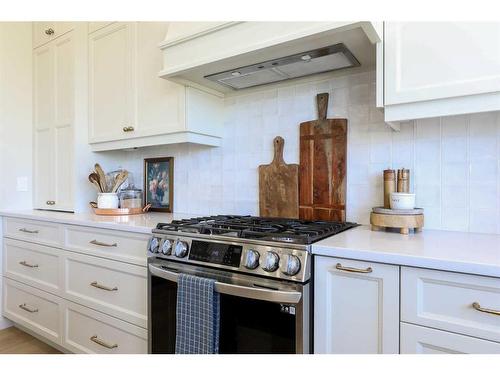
(106, 243)
(33, 309)
(32, 264)
(88, 331)
(34, 231)
(114, 288)
(422, 340)
(454, 302)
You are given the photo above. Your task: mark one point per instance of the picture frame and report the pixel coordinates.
(159, 183)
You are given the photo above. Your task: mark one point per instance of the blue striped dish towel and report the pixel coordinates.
(198, 311)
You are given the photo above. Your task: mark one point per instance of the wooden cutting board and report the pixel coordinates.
(279, 186)
(323, 156)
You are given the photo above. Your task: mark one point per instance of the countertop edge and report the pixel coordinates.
(79, 221)
(405, 260)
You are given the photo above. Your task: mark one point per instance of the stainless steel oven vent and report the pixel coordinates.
(320, 60)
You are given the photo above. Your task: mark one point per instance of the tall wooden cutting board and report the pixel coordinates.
(279, 186)
(323, 155)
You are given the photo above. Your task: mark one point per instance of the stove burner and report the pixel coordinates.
(266, 229)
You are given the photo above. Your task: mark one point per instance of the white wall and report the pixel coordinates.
(15, 120)
(15, 113)
(454, 161)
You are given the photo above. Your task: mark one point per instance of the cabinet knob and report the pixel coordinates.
(128, 129)
(50, 203)
(49, 31)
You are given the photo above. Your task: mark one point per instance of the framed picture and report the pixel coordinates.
(159, 183)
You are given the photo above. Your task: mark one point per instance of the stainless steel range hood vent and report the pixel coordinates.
(320, 60)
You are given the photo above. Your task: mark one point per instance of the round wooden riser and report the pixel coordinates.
(402, 222)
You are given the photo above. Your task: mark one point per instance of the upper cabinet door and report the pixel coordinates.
(435, 60)
(43, 118)
(53, 108)
(112, 104)
(64, 77)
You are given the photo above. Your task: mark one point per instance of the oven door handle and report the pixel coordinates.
(256, 293)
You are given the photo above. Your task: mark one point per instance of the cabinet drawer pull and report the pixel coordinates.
(49, 31)
(478, 307)
(98, 243)
(95, 284)
(352, 269)
(28, 231)
(103, 343)
(26, 264)
(28, 309)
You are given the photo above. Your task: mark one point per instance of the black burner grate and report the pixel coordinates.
(252, 227)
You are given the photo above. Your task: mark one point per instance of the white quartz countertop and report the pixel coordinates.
(444, 250)
(132, 223)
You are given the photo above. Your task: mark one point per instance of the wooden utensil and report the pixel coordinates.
(94, 179)
(278, 186)
(102, 177)
(323, 155)
(119, 180)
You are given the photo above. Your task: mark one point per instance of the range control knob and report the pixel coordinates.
(251, 259)
(154, 244)
(290, 265)
(180, 249)
(166, 247)
(271, 262)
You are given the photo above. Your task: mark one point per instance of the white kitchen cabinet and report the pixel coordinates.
(446, 300)
(115, 288)
(53, 102)
(130, 106)
(79, 302)
(111, 81)
(44, 32)
(89, 331)
(356, 307)
(440, 68)
(422, 340)
(34, 309)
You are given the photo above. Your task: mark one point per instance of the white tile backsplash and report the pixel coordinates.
(454, 161)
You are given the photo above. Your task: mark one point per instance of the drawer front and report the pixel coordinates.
(423, 340)
(33, 309)
(40, 232)
(32, 264)
(88, 331)
(112, 244)
(114, 288)
(445, 300)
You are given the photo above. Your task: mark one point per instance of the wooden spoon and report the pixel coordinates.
(94, 179)
(119, 180)
(102, 178)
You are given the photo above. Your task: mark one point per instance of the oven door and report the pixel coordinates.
(257, 315)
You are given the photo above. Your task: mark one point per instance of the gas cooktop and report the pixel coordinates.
(259, 228)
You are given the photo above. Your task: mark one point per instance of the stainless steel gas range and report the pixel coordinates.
(262, 269)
